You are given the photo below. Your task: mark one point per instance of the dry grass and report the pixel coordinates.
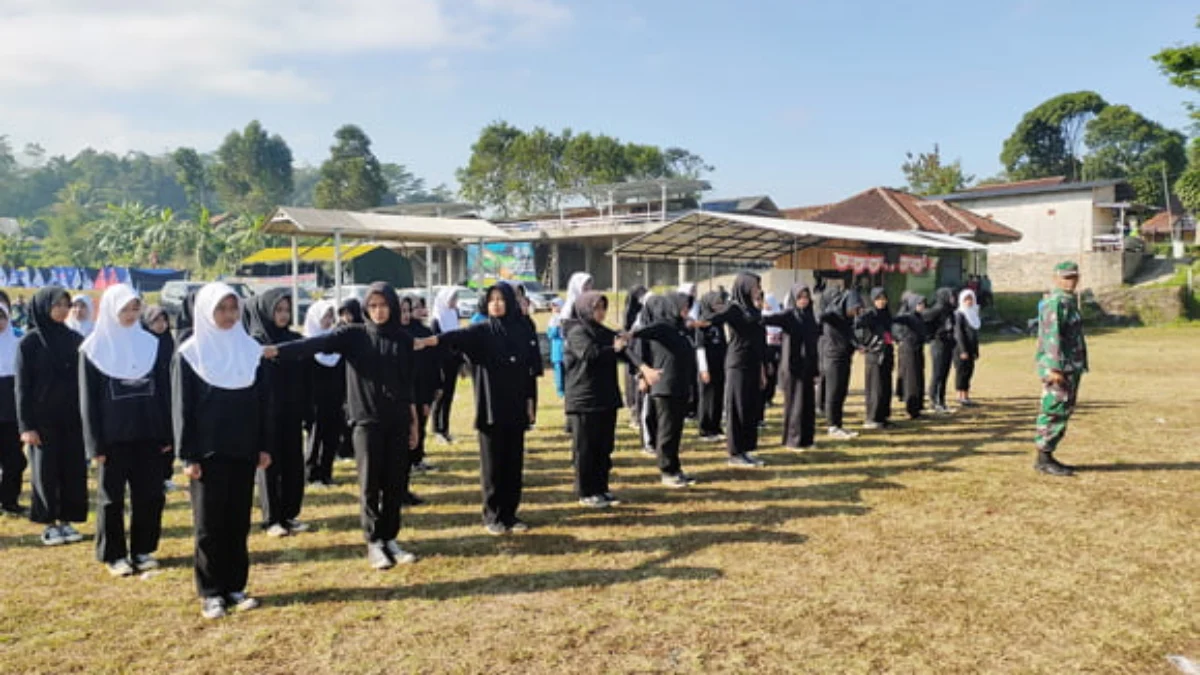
(933, 549)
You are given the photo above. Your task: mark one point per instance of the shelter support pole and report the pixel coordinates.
(646, 272)
(616, 267)
(664, 202)
(555, 256)
(712, 273)
(429, 274)
(795, 265)
(337, 267)
(479, 263)
(682, 271)
(295, 283)
(448, 256)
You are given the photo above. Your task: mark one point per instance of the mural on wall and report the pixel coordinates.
(502, 261)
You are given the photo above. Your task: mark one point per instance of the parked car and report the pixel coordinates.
(468, 303)
(174, 292)
(539, 297)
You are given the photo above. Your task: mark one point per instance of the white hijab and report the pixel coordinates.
(120, 352)
(970, 314)
(226, 359)
(446, 316)
(84, 328)
(312, 328)
(8, 346)
(574, 290)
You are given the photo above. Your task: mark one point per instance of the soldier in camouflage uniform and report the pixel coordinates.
(1061, 363)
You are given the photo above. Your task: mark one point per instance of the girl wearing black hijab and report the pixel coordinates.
(941, 347)
(711, 348)
(874, 329)
(593, 398)
(502, 358)
(12, 458)
(667, 362)
(745, 374)
(47, 396)
(379, 396)
(155, 321)
(185, 322)
(838, 312)
(798, 367)
(537, 368)
(349, 312)
(281, 485)
(910, 346)
(427, 376)
(633, 307)
(327, 399)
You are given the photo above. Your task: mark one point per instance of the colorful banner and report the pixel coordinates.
(76, 278)
(874, 264)
(502, 261)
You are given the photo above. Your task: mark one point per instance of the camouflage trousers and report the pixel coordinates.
(1058, 402)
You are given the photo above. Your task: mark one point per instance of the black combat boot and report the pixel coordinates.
(1048, 465)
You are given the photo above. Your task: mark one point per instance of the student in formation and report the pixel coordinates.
(838, 312)
(687, 291)
(327, 395)
(349, 312)
(445, 319)
(82, 316)
(711, 349)
(633, 397)
(966, 344)
(125, 406)
(941, 348)
(798, 367)
(281, 485)
(185, 322)
(12, 458)
(874, 328)
(772, 356)
(155, 322)
(380, 377)
(222, 428)
(593, 355)
(47, 398)
(667, 364)
(745, 371)
(426, 378)
(537, 368)
(909, 330)
(501, 358)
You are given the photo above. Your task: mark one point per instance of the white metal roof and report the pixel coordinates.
(305, 222)
(731, 236)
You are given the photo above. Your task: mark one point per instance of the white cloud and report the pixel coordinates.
(239, 48)
(64, 131)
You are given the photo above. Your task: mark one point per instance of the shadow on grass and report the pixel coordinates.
(1154, 466)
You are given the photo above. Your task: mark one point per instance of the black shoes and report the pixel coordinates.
(1052, 467)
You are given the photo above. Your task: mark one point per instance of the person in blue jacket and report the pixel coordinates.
(555, 334)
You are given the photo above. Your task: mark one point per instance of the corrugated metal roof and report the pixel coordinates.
(305, 222)
(313, 254)
(1018, 190)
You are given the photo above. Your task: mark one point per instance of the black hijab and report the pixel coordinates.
(60, 342)
(354, 307)
(908, 322)
(151, 314)
(743, 294)
(804, 315)
(633, 305)
(585, 309)
(392, 327)
(414, 326)
(260, 316)
(662, 309)
(709, 302)
(187, 311)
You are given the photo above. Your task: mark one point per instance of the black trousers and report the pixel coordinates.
(442, 406)
(712, 403)
(502, 463)
(417, 454)
(800, 411)
(382, 454)
(631, 392)
(12, 464)
(963, 371)
(221, 503)
(668, 415)
(324, 440)
(837, 385)
(137, 465)
(910, 385)
(941, 353)
(281, 485)
(346, 447)
(59, 477)
(647, 421)
(593, 435)
(168, 465)
(773, 355)
(743, 408)
(879, 385)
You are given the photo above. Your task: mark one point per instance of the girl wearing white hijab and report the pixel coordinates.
(12, 459)
(80, 319)
(966, 344)
(328, 379)
(219, 404)
(445, 319)
(125, 407)
(580, 283)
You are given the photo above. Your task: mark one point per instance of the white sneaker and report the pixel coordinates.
(296, 526)
(70, 534)
(212, 608)
(398, 554)
(278, 530)
(242, 602)
(120, 568)
(378, 558)
(872, 426)
(841, 434)
(144, 562)
(756, 461)
(52, 536)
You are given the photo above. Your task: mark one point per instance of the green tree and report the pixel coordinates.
(485, 178)
(305, 178)
(1181, 65)
(351, 179)
(1124, 144)
(927, 175)
(1046, 141)
(193, 176)
(253, 171)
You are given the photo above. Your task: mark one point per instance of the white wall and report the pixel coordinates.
(1058, 222)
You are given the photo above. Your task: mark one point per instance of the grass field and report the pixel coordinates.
(935, 548)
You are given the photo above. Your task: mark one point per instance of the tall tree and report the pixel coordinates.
(1124, 144)
(1181, 65)
(484, 180)
(927, 175)
(193, 176)
(1047, 139)
(253, 173)
(351, 179)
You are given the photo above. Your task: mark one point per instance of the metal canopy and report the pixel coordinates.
(730, 236)
(643, 190)
(305, 222)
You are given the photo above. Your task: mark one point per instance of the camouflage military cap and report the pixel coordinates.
(1066, 269)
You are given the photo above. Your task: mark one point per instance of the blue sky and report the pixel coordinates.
(808, 102)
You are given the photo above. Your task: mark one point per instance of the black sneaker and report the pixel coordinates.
(741, 461)
(410, 499)
(1051, 467)
(52, 536)
(612, 499)
(15, 510)
(70, 535)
